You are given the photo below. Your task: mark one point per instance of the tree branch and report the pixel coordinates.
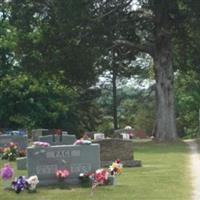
(142, 14)
(115, 9)
(146, 48)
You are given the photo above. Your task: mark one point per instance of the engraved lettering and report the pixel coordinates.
(46, 169)
(80, 168)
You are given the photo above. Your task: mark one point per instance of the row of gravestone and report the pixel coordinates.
(44, 135)
(13, 132)
(44, 162)
(37, 133)
(77, 159)
(22, 141)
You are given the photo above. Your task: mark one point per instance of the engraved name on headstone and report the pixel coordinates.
(63, 154)
(75, 158)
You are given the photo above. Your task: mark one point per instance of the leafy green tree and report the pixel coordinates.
(158, 28)
(45, 102)
(8, 40)
(188, 98)
(136, 108)
(55, 36)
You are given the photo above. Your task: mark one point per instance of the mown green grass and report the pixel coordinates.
(164, 175)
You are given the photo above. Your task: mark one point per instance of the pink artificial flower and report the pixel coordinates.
(41, 144)
(7, 172)
(62, 173)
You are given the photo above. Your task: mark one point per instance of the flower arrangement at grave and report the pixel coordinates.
(84, 140)
(62, 174)
(41, 144)
(10, 152)
(21, 152)
(104, 176)
(6, 173)
(116, 168)
(100, 177)
(19, 184)
(32, 183)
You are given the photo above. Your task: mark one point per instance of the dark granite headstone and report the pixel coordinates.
(113, 149)
(77, 159)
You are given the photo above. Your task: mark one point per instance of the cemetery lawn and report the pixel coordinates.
(164, 175)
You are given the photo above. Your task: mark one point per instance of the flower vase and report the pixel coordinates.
(112, 180)
(7, 184)
(85, 182)
(61, 183)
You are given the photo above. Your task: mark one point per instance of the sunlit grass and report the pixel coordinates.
(164, 175)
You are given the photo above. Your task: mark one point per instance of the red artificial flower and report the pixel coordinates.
(101, 176)
(118, 161)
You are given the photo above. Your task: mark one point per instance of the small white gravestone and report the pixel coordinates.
(99, 136)
(125, 136)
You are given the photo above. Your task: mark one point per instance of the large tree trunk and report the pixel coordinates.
(164, 75)
(165, 119)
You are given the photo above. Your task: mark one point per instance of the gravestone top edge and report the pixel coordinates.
(112, 139)
(60, 146)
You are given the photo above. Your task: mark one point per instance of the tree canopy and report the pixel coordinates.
(52, 54)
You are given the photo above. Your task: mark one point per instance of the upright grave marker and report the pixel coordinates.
(77, 159)
(113, 149)
(58, 139)
(39, 132)
(21, 141)
(99, 136)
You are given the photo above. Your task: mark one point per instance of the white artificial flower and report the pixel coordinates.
(32, 182)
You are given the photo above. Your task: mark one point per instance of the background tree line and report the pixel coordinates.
(54, 52)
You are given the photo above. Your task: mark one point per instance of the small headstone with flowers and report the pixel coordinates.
(20, 140)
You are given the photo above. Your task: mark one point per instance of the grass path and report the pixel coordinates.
(195, 169)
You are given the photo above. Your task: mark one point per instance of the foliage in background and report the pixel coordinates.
(188, 98)
(55, 36)
(136, 108)
(73, 41)
(45, 102)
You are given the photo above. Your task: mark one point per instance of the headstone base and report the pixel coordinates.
(126, 163)
(57, 183)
